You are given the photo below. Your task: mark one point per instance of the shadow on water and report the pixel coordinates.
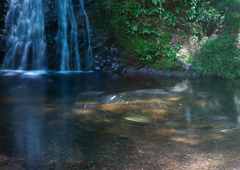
(93, 121)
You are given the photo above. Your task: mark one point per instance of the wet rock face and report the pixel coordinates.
(107, 60)
(107, 57)
(3, 9)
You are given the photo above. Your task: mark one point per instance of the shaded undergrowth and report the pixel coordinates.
(220, 55)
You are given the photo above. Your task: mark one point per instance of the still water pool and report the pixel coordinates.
(91, 121)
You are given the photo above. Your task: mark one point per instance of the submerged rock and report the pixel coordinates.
(138, 119)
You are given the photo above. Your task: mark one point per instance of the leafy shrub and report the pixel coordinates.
(146, 26)
(219, 56)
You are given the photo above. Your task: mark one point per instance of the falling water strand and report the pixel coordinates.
(89, 55)
(74, 38)
(68, 46)
(68, 33)
(26, 35)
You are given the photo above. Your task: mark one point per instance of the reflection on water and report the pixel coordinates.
(188, 114)
(237, 103)
(94, 121)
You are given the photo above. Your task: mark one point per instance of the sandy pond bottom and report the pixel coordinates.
(99, 122)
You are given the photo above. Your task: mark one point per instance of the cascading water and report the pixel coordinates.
(69, 44)
(66, 47)
(26, 35)
(89, 54)
(26, 42)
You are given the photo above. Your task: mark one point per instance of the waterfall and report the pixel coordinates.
(26, 42)
(89, 54)
(68, 33)
(26, 35)
(67, 17)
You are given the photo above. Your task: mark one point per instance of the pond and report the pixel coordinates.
(93, 121)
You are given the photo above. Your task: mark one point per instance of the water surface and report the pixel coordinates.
(95, 121)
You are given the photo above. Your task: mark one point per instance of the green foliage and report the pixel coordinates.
(146, 26)
(219, 56)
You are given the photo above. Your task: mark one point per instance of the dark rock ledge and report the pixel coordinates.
(130, 72)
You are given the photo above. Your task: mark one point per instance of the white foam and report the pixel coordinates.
(37, 73)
